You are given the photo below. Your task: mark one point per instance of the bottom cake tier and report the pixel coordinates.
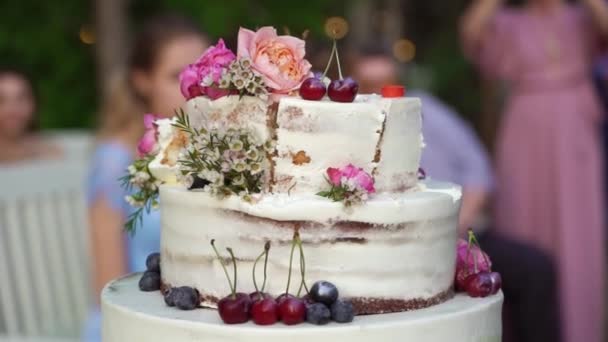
(131, 315)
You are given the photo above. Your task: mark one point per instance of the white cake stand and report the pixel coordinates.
(132, 315)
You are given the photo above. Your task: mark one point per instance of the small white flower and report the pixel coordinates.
(246, 74)
(255, 168)
(224, 83)
(131, 169)
(270, 146)
(239, 167)
(245, 63)
(236, 145)
(239, 181)
(253, 154)
(225, 166)
(239, 83)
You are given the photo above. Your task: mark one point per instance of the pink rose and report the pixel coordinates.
(148, 143)
(202, 77)
(363, 179)
(470, 259)
(279, 59)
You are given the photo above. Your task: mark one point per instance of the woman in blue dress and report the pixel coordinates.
(150, 84)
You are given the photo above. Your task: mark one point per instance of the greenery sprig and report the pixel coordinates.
(143, 189)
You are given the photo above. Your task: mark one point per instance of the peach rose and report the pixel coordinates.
(279, 59)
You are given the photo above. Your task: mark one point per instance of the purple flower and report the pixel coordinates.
(350, 172)
(148, 143)
(202, 77)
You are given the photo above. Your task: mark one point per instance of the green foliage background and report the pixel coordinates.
(42, 37)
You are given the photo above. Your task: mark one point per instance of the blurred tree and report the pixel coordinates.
(45, 39)
(57, 43)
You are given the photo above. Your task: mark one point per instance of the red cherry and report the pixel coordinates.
(255, 296)
(265, 312)
(292, 311)
(479, 285)
(496, 282)
(234, 309)
(313, 89)
(284, 296)
(343, 90)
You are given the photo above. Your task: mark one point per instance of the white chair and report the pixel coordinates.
(44, 256)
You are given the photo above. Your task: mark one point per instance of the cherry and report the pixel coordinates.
(234, 309)
(283, 297)
(479, 285)
(496, 282)
(256, 296)
(265, 312)
(292, 311)
(343, 90)
(313, 89)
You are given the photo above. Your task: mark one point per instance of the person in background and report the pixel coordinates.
(18, 138)
(162, 49)
(549, 158)
(453, 153)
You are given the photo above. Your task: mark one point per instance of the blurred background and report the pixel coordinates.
(72, 46)
(59, 167)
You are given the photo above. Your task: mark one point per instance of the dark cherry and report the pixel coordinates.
(479, 285)
(265, 311)
(324, 292)
(234, 309)
(343, 90)
(284, 296)
(292, 311)
(255, 296)
(313, 89)
(496, 282)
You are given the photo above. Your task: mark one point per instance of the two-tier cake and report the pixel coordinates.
(249, 162)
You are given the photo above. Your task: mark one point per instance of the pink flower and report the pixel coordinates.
(469, 260)
(361, 178)
(148, 144)
(279, 59)
(202, 77)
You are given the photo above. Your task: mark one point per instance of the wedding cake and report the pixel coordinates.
(266, 159)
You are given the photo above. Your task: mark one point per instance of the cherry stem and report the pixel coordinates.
(234, 266)
(338, 60)
(302, 268)
(255, 283)
(219, 257)
(266, 250)
(293, 247)
(331, 58)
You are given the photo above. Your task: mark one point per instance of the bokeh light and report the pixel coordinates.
(336, 27)
(86, 34)
(404, 50)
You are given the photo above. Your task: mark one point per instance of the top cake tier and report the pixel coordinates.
(381, 135)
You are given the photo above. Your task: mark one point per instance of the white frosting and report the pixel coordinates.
(230, 112)
(411, 247)
(335, 134)
(164, 166)
(131, 315)
(326, 134)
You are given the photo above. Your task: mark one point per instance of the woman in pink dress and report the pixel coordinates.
(549, 158)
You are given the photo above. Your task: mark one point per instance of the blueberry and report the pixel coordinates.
(170, 297)
(342, 311)
(150, 281)
(324, 292)
(185, 298)
(153, 262)
(317, 314)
